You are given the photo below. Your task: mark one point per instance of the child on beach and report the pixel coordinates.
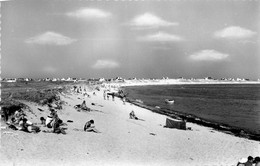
(89, 127)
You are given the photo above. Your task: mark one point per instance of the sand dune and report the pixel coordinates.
(122, 141)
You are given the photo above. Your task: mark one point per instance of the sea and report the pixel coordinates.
(233, 105)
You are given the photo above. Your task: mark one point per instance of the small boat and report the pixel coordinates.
(169, 101)
(139, 101)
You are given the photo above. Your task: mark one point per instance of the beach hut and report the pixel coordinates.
(175, 123)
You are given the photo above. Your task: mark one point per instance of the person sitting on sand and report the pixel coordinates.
(17, 115)
(43, 121)
(21, 118)
(56, 127)
(89, 127)
(49, 120)
(257, 161)
(249, 162)
(132, 115)
(84, 106)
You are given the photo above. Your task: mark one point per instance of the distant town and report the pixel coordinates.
(120, 79)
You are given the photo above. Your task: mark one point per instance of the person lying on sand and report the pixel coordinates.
(89, 127)
(241, 162)
(82, 106)
(26, 127)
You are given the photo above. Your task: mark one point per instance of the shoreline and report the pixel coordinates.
(235, 131)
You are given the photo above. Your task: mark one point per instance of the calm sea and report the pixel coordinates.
(233, 105)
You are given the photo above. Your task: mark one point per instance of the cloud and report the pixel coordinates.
(234, 32)
(105, 64)
(89, 13)
(161, 37)
(147, 21)
(50, 38)
(208, 55)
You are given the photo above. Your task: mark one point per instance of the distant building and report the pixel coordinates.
(9, 80)
(69, 79)
(208, 78)
(101, 79)
(119, 79)
(54, 79)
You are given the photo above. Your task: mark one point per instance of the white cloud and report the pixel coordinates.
(161, 37)
(208, 55)
(50, 38)
(234, 32)
(105, 64)
(148, 20)
(89, 13)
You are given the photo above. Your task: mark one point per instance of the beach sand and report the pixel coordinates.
(122, 141)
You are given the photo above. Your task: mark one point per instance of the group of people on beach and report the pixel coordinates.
(106, 94)
(53, 122)
(20, 122)
(249, 161)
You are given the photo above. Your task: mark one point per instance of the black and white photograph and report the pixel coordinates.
(130, 82)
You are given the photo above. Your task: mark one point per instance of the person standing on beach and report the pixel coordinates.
(107, 96)
(104, 94)
(113, 96)
(124, 100)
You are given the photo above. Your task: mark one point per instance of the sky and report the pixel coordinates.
(142, 39)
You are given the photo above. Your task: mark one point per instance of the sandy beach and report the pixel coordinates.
(122, 141)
